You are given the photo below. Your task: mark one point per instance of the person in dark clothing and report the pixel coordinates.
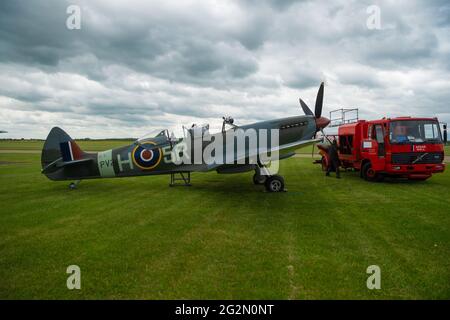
(333, 163)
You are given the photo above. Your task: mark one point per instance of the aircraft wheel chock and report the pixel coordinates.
(275, 184)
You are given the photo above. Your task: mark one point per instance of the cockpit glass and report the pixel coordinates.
(159, 135)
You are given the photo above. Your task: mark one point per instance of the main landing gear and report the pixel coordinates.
(272, 183)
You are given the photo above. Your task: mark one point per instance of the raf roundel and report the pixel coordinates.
(146, 156)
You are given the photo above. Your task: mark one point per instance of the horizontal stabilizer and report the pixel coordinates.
(69, 163)
(59, 163)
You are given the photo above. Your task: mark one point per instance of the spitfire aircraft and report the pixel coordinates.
(62, 158)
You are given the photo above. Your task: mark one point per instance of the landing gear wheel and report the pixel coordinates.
(275, 184)
(369, 174)
(74, 185)
(259, 179)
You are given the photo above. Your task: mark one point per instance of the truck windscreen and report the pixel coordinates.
(414, 131)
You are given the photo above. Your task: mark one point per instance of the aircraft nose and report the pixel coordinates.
(322, 122)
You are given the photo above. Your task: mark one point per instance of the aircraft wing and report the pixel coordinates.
(289, 147)
(285, 151)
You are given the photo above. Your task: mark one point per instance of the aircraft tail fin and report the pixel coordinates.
(58, 147)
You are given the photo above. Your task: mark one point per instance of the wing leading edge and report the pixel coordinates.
(285, 151)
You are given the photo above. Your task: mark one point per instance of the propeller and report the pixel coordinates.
(321, 122)
(305, 108)
(319, 102)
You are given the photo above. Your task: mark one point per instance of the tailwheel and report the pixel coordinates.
(259, 178)
(274, 183)
(74, 185)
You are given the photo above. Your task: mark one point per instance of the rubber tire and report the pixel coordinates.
(259, 179)
(275, 184)
(366, 174)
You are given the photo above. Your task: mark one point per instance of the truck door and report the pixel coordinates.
(379, 137)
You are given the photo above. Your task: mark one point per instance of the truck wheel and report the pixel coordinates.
(368, 173)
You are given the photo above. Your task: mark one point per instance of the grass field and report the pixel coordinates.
(222, 238)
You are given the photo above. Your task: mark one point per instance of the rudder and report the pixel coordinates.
(58, 146)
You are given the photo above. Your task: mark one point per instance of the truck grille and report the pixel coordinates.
(409, 158)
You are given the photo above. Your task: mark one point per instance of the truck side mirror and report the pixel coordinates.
(445, 133)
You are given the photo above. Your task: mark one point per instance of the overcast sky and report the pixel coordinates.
(139, 66)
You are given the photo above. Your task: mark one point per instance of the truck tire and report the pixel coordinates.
(368, 173)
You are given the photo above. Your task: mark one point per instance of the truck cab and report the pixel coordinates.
(404, 147)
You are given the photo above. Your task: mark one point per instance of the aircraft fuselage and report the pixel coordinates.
(159, 155)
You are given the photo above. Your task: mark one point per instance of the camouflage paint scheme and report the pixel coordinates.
(124, 161)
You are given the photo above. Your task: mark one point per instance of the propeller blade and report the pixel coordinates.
(305, 108)
(323, 133)
(319, 102)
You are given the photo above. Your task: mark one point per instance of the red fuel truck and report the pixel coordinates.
(399, 147)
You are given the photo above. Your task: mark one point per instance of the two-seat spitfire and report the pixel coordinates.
(238, 149)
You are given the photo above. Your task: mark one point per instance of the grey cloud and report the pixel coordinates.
(150, 64)
(176, 50)
(33, 33)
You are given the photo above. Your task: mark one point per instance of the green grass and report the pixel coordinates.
(222, 238)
